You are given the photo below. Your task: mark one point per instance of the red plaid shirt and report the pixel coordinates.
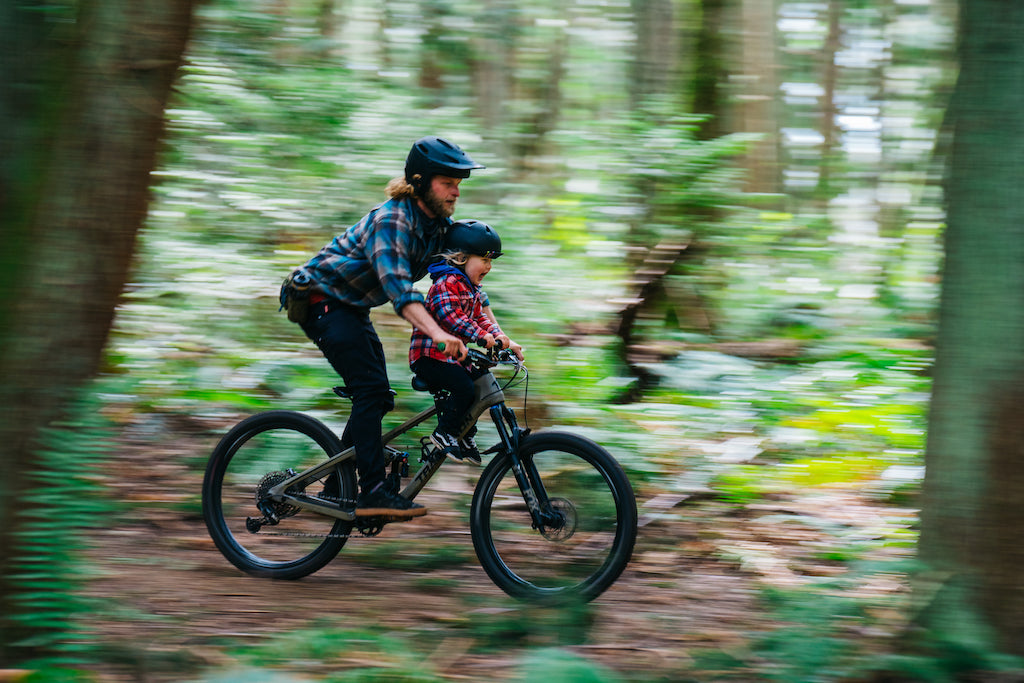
(457, 306)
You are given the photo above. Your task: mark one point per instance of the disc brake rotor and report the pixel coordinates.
(569, 519)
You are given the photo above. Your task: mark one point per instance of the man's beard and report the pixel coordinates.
(437, 206)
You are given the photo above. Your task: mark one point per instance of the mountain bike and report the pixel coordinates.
(553, 515)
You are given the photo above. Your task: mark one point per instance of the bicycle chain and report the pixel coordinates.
(367, 530)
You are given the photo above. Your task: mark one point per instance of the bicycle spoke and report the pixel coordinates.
(590, 530)
(256, 533)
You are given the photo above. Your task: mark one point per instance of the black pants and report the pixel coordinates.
(347, 339)
(457, 380)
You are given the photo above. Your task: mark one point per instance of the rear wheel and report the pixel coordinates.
(588, 533)
(258, 453)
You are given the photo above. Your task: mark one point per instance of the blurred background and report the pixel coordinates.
(721, 221)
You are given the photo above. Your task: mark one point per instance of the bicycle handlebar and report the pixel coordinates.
(492, 357)
(488, 358)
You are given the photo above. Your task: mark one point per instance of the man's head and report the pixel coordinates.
(432, 156)
(439, 198)
(434, 168)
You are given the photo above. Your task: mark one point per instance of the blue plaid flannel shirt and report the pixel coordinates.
(379, 258)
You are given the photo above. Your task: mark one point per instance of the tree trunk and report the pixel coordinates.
(972, 517)
(757, 109)
(81, 115)
(433, 48)
(493, 64)
(830, 151)
(711, 72)
(656, 52)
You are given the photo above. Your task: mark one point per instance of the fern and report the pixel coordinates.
(61, 504)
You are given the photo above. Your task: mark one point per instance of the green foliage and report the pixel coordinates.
(385, 675)
(810, 644)
(814, 637)
(279, 141)
(559, 666)
(739, 488)
(324, 655)
(252, 675)
(64, 503)
(947, 662)
(528, 625)
(324, 650)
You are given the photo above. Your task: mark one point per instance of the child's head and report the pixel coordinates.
(471, 245)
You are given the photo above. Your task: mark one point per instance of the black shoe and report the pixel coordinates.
(382, 503)
(470, 453)
(446, 444)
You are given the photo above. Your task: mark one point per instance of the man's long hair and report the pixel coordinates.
(399, 189)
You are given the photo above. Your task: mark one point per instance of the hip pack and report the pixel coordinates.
(294, 298)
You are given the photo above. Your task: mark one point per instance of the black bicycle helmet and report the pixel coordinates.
(473, 237)
(432, 156)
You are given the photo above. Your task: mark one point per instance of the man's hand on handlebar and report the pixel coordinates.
(493, 344)
(506, 343)
(451, 346)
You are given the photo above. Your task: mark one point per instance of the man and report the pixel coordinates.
(377, 260)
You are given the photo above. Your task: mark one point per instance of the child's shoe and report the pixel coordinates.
(470, 453)
(446, 444)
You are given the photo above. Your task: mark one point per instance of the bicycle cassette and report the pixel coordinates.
(275, 511)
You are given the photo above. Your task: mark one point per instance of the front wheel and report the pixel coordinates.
(261, 451)
(590, 521)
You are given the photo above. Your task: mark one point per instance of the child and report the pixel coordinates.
(460, 307)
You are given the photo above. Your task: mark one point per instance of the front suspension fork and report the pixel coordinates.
(543, 515)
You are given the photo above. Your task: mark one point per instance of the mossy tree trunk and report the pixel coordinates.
(970, 593)
(82, 101)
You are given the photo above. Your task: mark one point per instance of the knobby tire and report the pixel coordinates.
(260, 446)
(576, 563)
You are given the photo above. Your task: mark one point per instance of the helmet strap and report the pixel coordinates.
(421, 184)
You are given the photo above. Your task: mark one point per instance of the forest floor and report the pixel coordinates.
(716, 590)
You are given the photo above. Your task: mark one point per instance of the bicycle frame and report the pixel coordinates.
(552, 516)
(488, 394)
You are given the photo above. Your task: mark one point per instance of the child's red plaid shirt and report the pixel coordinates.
(457, 306)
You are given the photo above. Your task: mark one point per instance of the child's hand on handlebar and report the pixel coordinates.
(514, 348)
(506, 343)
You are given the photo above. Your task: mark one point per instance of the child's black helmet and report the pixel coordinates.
(473, 237)
(431, 156)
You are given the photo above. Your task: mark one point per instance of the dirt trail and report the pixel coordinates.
(172, 600)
